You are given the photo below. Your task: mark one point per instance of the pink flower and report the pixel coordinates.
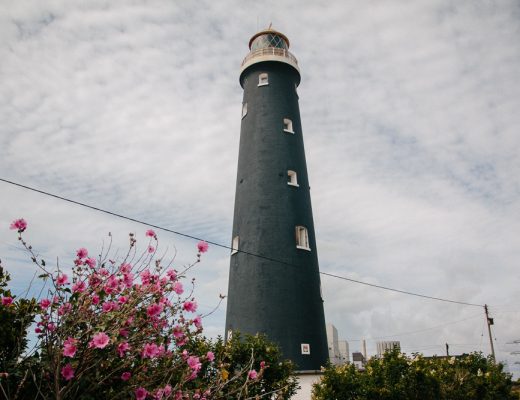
(194, 363)
(67, 372)
(122, 300)
(128, 279)
(62, 280)
(65, 309)
(177, 288)
(100, 340)
(190, 306)
(19, 224)
(262, 364)
(150, 350)
(79, 287)
(51, 327)
(91, 262)
(178, 332)
(95, 299)
(110, 306)
(82, 253)
(125, 268)
(252, 374)
(197, 321)
(202, 246)
(69, 347)
(45, 303)
(140, 393)
(150, 233)
(122, 348)
(7, 301)
(151, 249)
(172, 274)
(126, 376)
(167, 390)
(145, 276)
(210, 356)
(154, 309)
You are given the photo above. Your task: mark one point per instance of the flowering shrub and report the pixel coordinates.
(263, 359)
(118, 329)
(396, 376)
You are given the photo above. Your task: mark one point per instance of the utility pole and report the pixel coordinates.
(489, 323)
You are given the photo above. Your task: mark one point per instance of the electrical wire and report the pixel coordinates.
(417, 331)
(230, 248)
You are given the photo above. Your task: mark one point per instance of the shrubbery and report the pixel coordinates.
(124, 328)
(397, 376)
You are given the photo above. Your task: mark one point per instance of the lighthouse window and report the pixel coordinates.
(244, 110)
(292, 178)
(287, 125)
(302, 238)
(234, 246)
(263, 79)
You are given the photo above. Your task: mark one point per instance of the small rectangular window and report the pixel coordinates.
(244, 110)
(263, 79)
(306, 348)
(287, 125)
(302, 238)
(234, 246)
(292, 179)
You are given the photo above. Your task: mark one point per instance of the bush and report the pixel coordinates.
(396, 376)
(256, 353)
(124, 328)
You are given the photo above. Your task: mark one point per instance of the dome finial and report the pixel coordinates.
(270, 25)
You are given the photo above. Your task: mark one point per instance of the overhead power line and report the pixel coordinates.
(230, 248)
(401, 334)
(402, 291)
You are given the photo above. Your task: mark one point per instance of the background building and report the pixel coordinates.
(359, 360)
(344, 352)
(333, 345)
(383, 347)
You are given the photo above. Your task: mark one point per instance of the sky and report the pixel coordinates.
(411, 127)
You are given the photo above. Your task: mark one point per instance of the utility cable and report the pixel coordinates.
(230, 248)
(400, 334)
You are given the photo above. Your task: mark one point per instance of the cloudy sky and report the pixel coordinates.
(411, 121)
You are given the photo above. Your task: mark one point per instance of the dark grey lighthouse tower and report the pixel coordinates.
(278, 295)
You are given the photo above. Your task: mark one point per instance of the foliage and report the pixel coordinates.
(16, 315)
(396, 376)
(125, 328)
(256, 353)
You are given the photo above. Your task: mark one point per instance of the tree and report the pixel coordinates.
(396, 376)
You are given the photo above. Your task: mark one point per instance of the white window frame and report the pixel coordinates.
(288, 126)
(302, 238)
(244, 109)
(292, 178)
(263, 79)
(306, 348)
(234, 246)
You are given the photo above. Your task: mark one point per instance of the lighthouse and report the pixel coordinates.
(274, 282)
